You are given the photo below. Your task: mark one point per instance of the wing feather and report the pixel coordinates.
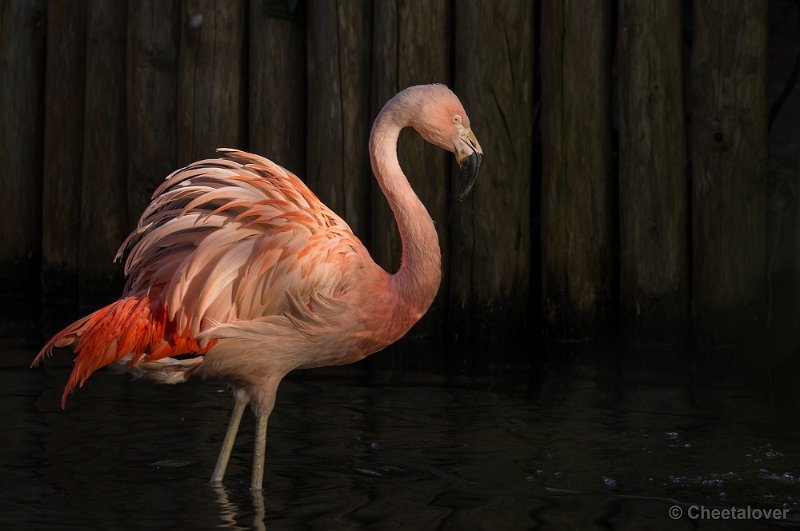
(239, 238)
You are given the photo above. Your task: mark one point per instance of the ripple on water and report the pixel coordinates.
(590, 444)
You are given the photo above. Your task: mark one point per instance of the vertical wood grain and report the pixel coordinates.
(104, 209)
(63, 147)
(729, 151)
(490, 247)
(22, 47)
(653, 190)
(277, 89)
(577, 242)
(153, 35)
(211, 98)
(338, 122)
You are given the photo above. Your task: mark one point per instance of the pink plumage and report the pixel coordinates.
(236, 261)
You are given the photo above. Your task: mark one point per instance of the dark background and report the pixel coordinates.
(640, 183)
(642, 158)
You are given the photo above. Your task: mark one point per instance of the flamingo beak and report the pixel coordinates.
(469, 156)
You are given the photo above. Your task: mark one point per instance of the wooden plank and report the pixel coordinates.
(104, 213)
(654, 267)
(412, 46)
(63, 147)
(277, 89)
(783, 170)
(22, 48)
(337, 167)
(211, 97)
(729, 151)
(153, 36)
(576, 160)
(490, 240)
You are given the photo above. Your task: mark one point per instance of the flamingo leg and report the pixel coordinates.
(259, 451)
(240, 402)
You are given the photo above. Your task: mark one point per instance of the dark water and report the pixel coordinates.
(580, 439)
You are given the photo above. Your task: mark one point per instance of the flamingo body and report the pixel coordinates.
(237, 263)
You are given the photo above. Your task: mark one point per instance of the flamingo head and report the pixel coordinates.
(442, 121)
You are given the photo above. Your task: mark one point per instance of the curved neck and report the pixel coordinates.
(417, 280)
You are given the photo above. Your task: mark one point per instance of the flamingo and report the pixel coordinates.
(237, 271)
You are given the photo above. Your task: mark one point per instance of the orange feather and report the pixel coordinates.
(137, 325)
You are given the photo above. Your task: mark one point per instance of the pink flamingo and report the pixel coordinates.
(237, 262)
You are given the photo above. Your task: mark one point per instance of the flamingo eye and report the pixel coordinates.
(456, 119)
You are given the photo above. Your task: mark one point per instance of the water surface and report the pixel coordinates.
(422, 438)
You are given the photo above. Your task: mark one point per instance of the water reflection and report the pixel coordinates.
(591, 440)
(230, 513)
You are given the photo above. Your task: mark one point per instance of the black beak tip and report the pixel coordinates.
(470, 166)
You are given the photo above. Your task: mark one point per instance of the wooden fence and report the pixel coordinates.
(626, 143)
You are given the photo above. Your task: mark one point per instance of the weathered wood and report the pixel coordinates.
(783, 172)
(63, 147)
(490, 239)
(153, 35)
(22, 46)
(576, 159)
(653, 220)
(211, 97)
(277, 89)
(412, 46)
(337, 160)
(104, 212)
(729, 150)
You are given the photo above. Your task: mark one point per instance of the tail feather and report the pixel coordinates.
(137, 325)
